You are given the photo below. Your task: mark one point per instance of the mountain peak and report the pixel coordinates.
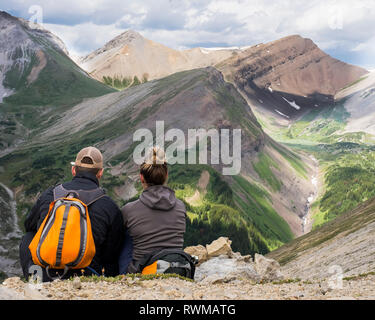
(123, 39)
(294, 40)
(5, 14)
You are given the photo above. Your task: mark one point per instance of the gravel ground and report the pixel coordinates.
(173, 288)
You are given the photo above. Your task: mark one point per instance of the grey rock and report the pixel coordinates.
(224, 269)
(77, 283)
(31, 293)
(268, 269)
(9, 294)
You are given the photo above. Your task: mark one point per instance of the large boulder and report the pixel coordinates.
(268, 269)
(224, 269)
(199, 251)
(221, 246)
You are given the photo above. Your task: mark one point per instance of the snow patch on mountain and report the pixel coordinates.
(284, 115)
(293, 104)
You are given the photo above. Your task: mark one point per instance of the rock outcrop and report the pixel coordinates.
(221, 265)
(268, 269)
(221, 246)
(198, 251)
(223, 269)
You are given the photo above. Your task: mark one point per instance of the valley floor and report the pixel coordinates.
(359, 288)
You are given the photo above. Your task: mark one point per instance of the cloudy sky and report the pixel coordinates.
(343, 28)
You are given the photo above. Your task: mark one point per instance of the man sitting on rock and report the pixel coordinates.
(105, 216)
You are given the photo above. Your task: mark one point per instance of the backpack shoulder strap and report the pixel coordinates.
(60, 192)
(86, 196)
(90, 196)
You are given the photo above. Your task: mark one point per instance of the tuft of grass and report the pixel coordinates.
(354, 82)
(286, 281)
(136, 277)
(359, 276)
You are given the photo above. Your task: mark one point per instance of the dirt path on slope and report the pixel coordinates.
(202, 188)
(36, 69)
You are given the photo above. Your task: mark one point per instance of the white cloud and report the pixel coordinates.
(80, 37)
(87, 24)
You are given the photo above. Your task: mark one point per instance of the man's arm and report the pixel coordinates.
(114, 242)
(39, 211)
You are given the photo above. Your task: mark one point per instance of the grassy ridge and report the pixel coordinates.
(263, 169)
(256, 205)
(292, 158)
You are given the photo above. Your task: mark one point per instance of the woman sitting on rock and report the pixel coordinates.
(155, 221)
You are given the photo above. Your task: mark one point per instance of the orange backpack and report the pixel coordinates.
(65, 240)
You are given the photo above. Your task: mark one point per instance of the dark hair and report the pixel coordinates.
(87, 160)
(154, 174)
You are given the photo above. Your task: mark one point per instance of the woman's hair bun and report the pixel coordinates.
(154, 168)
(155, 156)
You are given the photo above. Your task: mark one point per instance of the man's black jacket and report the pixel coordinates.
(106, 223)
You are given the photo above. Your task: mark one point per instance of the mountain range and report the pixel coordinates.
(131, 55)
(300, 112)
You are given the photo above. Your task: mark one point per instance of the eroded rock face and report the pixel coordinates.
(268, 269)
(292, 65)
(221, 246)
(290, 75)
